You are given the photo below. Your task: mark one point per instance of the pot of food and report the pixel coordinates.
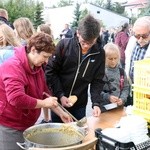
(52, 135)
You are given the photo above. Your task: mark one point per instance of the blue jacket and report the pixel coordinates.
(6, 53)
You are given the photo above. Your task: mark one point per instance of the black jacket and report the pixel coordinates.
(67, 74)
(2, 19)
(68, 34)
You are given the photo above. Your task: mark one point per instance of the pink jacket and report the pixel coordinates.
(20, 86)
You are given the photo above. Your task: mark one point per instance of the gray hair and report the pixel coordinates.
(143, 21)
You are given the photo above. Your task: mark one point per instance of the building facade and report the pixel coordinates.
(57, 17)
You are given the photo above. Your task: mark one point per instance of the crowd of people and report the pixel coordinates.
(81, 62)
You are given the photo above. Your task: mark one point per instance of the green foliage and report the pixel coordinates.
(77, 13)
(85, 1)
(99, 3)
(19, 8)
(112, 6)
(63, 3)
(83, 14)
(38, 15)
(108, 5)
(118, 8)
(145, 11)
(133, 19)
(125, 14)
(54, 6)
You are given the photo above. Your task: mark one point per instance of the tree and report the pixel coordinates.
(83, 14)
(145, 11)
(85, 1)
(19, 8)
(118, 8)
(77, 13)
(109, 5)
(63, 3)
(38, 15)
(99, 3)
(115, 7)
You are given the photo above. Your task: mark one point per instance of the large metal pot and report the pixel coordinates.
(52, 135)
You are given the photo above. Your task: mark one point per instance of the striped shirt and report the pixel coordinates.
(137, 54)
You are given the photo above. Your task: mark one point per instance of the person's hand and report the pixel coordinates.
(96, 111)
(113, 99)
(65, 117)
(65, 101)
(120, 102)
(50, 102)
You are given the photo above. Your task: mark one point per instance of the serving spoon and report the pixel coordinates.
(79, 123)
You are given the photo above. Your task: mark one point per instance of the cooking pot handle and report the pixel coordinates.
(22, 145)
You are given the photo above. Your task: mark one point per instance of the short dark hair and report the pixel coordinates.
(41, 42)
(125, 26)
(89, 28)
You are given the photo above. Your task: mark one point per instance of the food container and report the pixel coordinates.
(52, 135)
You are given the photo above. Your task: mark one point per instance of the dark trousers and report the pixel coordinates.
(77, 113)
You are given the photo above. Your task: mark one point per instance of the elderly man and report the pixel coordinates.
(137, 48)
(4, 17)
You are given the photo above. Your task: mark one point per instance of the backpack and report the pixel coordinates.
(65, 46)
(121, 78)
(129, 98)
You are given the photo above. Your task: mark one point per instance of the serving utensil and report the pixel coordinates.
(79, 123)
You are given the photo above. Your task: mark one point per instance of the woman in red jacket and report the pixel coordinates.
(22, 84)
(121, 39)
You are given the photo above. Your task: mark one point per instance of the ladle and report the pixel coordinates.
(80, 122)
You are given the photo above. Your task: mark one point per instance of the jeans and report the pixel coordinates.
(78, 113)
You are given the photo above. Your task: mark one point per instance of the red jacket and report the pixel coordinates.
(121, 40)
(20, 86)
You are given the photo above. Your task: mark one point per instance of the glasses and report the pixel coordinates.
(143, 36)
(87, 43)
(83, 42)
